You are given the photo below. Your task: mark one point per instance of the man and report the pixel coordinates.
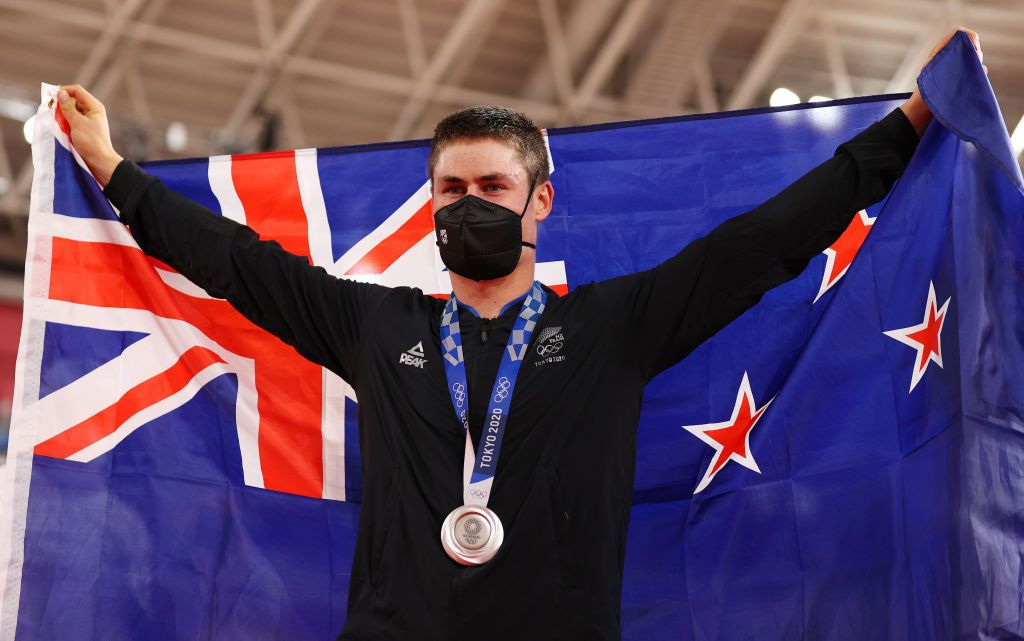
(532, 536)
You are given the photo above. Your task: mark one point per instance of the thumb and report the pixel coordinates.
(67, 106)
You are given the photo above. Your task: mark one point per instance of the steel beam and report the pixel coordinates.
(270, 65)
(705, 83)
(842, 87)
(296, 65)
(264, 22)
(621, 38)
(558, 53)
(408, 14)
(586, 24)
(679, 51)
(931, 31)
(111, 29)
(473, 16)
(137, 94)
(773, 49)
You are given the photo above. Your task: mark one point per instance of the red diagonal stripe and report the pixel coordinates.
(138, 398)
(384, 255)
(119, 277)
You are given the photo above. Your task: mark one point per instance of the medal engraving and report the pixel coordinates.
(472, 534)
(473, 531)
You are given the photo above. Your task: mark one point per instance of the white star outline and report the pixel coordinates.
(903, 336)
(828, 279)
(700, 431)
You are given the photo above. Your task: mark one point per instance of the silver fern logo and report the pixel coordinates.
(550, 342)
(547, 333)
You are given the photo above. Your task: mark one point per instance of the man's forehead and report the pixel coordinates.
(480, 159)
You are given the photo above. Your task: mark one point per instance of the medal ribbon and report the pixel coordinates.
(478, 477)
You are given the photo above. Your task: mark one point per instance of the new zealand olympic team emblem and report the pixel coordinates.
(460, 393)
(550, 341)
(502, 392)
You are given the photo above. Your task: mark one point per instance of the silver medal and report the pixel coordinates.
(472, 534)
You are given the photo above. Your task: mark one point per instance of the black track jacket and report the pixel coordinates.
(564, 482)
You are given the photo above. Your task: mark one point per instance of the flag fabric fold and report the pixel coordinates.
(843, 461)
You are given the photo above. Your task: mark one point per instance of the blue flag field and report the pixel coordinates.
(177, 474)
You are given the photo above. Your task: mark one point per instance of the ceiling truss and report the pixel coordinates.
(577, 61)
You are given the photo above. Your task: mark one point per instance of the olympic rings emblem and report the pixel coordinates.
(460, 393)
(503, 389)
(476, 493)
(550, 349)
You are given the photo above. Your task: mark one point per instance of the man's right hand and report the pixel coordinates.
(90, 131)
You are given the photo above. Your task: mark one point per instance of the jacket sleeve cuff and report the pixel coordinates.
(901, 132)
(126, 187)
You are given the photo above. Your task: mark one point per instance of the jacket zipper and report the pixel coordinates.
(485, 328)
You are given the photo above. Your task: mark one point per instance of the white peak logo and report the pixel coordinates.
(413, 356)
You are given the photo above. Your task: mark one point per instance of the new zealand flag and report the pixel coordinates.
(844, 461)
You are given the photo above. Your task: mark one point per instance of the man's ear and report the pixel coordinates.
(543, 198)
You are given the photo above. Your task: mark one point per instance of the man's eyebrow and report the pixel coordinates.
(485, 178)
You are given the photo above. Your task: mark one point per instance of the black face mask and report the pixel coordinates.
(478, 239)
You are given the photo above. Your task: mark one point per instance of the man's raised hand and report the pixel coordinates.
(90, 131)
(916, 111)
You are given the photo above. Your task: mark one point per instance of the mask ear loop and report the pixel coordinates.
(529, 196)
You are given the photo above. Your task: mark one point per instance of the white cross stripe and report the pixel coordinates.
(319, 229)
(168, 339)
(223, 187)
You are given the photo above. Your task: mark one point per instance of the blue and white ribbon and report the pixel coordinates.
(478, 476)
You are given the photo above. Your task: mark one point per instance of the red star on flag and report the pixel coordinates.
(731, 439)
(841, 253)
(925, 337)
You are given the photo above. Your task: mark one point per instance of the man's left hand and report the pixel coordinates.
(915, 110)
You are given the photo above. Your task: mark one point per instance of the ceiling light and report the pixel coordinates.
(27, 130)
(819, 99)
(177, 137)
(782, 97)
(1017, 139)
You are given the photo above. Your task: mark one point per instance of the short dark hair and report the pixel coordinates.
(505, 125)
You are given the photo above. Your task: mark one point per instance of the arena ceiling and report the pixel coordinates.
(247, 75)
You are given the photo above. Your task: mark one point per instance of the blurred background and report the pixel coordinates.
(185, 78)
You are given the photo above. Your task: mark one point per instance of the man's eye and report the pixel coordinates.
(493, 188)
(453, 189)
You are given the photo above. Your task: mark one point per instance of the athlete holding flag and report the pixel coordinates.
(533, 548)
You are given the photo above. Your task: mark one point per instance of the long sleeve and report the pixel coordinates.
(669, 310)
(318, 314)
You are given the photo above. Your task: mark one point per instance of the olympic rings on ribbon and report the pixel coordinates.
(503, 387)
(476, 493)
(460, 393)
